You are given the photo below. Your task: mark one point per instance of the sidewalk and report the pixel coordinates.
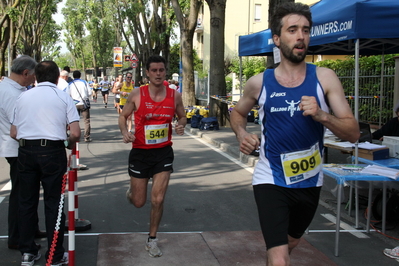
(200, 249)
(226, 140)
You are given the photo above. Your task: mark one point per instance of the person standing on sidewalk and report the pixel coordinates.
(154, 107)
(40, 123)
(80, 92)
(294, 101)
(22, 74)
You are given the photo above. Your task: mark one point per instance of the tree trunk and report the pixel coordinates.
(187, 23)
(187, 58)
(3, 48)
(217, 81)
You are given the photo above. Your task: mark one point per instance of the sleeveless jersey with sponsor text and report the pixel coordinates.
(127, 89)
(153, 120)
(292, 144)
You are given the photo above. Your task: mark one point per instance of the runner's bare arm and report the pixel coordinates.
(117, 87)
(342, 123)
(238, 117)
(74, 134)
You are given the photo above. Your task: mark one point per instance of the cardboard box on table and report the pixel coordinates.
(375, 154)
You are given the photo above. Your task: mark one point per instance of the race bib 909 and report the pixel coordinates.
(301, 165)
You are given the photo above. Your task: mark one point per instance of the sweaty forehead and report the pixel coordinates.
(294, 20)
(157, 65)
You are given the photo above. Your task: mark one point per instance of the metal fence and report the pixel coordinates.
(201, 88)
(376, 93)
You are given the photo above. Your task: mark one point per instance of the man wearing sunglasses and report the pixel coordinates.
(124, 89)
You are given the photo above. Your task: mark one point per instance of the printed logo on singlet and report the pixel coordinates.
(151, 115)
(277, 94)
(292, 108)
(149, 105)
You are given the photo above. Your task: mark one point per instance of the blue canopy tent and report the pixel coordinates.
(338, 24)
(256, 44)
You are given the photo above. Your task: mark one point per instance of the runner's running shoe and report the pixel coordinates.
(152, 247)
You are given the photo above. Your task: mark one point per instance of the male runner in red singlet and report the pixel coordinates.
(154, 107)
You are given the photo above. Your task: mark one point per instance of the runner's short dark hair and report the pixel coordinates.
(155, 59)
(276, 23)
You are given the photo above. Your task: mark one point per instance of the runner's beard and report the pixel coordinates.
(288, 53)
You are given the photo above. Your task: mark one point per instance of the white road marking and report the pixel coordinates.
(345, 226)
(5, 188)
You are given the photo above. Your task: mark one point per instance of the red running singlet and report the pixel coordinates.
(153, 128)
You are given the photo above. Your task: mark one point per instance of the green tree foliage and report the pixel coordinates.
(91, 32)
(101, 39)
(27, 27)
(251, 66)
(147, 27)
(174, 62)
(39, 33)
(75, 17)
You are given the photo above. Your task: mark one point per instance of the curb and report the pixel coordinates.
(233, 151)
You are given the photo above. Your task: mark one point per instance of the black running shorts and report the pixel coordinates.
(285, 211)
(144, 163)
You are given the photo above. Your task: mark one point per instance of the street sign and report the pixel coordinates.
(134, 64)
(134, 58)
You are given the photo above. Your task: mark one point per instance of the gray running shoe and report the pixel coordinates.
(29, 259)
(152, 247)
(392, 253)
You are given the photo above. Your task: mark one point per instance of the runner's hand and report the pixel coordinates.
(249, 143)
(128, 137)
(179, 129)
(309, 106)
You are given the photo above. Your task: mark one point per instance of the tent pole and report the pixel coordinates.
(382, 85)
(357, 94)
(240, 76)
